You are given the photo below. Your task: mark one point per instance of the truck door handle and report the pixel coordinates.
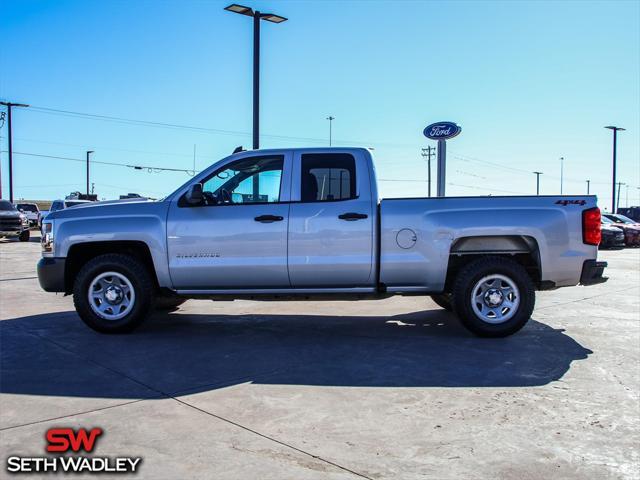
(269, 218)
(351, 216)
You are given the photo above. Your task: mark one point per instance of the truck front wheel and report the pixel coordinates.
(443, 300)
(113, 293)
(24, 236)
(493, 296)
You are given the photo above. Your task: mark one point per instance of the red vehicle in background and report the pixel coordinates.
(630, 227)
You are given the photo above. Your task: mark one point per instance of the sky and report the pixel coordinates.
(528, 82)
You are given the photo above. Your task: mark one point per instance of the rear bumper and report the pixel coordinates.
(51, 274)
(592, 271)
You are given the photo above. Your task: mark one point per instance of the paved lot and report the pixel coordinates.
(389, 389)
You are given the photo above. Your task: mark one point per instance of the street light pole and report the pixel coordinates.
(615, 145)
(256, 81)
(588, 182)
(561, 173)
(257, 16)
(89, 152)
(331, 119)
(9, 105)
(538, 182)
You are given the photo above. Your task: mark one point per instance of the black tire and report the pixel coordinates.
(463, 292)
(24, 236)
(443, 300)
(134, 271)
(168, 303)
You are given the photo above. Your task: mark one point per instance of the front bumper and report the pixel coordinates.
(51, 274)
(9, 231)
(592, 271)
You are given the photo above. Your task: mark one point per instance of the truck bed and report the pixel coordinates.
(418, 236)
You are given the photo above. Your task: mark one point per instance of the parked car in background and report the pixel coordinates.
(619, 218)
(32, 212)
(612, 236)
(62, 204)
(72, 200)
(630, 228)
(13, 222)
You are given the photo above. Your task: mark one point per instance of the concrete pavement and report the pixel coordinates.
(371, 389)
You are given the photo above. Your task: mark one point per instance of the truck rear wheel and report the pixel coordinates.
(493, 296)
(443, 300)
(113, 293)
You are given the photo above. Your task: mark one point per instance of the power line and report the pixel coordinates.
(150, 169)
(115, 149)
(149, 123)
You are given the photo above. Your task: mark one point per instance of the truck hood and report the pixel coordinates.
(130, 206)
(9, 214)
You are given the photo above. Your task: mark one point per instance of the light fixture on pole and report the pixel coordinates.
(615, 146)
(331, 119)
(257, 16)
(538, 182)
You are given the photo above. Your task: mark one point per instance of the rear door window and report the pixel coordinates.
(328, 177)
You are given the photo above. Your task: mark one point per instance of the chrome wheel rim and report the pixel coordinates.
(111, 296)
(495, 298)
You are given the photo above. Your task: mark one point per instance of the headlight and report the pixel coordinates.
(24, 219)
(47, 238)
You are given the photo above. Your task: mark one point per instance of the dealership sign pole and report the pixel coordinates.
(442, 131)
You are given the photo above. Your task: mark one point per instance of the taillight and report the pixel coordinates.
(591, 226)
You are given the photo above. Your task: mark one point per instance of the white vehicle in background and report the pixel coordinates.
(31, 211)
(62, 204)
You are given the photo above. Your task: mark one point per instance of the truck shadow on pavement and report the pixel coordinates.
(180, 353)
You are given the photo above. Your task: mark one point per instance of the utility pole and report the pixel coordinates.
(618, 199)
(538, 182)
(2, 117)
(613, 183)
(588, 182)
(428, 153)
(331, 119)
(89, 152)
(9, 105)
(626, 200)
(561, 173)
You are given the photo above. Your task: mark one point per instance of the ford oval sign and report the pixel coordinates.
(442, 130)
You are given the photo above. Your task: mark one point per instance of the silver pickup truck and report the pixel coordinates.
(308, 223)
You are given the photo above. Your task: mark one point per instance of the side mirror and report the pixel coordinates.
(194, 195)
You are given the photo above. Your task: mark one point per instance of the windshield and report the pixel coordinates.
(27, 207)
(6, 205)
(606, 220)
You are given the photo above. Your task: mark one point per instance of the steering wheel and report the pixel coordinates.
(225, 196)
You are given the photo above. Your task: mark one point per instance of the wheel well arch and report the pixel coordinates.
(522, 249)
(80, 253)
